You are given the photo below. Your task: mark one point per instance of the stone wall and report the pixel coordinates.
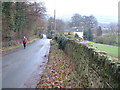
(99, 70)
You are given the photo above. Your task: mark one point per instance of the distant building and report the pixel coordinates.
(80, 34)
(73, 31)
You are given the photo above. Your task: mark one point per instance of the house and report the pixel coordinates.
(80, 34)
(73, 31)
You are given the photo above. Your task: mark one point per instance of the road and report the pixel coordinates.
(24, 67)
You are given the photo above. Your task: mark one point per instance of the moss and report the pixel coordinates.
(85, 57)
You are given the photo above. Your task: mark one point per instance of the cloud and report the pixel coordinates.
(99, 7)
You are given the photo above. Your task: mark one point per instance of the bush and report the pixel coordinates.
(107, 39)
(76, 35)
(56, 37)
(69, 36)
(40, 36)
(88, 35)
(49, 36)
(9, 43)
(62, 41)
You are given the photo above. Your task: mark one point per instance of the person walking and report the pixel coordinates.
(25, 41)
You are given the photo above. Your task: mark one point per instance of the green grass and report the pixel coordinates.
(110, 50)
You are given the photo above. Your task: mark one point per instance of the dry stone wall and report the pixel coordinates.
(99, 70)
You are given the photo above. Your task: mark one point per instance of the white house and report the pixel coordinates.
(74, 31)
(80, 34)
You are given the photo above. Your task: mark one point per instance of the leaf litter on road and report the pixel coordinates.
(60, 71)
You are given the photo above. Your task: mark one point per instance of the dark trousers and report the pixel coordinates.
(24, 44)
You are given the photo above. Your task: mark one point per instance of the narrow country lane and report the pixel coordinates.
(23, 68)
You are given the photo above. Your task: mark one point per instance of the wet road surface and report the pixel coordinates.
(23, 68)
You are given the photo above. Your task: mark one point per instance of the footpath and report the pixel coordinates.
(60, 72)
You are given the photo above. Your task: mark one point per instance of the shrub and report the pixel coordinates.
(40, 35)
(76, 35)
(107, 39)
(9, 43)
(69, 36)
(62, 41)
(56, 36)
(49, 35)
(69, 33)
(88, 35)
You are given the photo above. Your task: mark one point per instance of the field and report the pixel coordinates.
(110, 50)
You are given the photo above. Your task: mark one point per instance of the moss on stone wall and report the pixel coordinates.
(95, 66)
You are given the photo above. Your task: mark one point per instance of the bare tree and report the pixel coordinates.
(76, 20)
(60, 25)
(113, 27)
(22, 18)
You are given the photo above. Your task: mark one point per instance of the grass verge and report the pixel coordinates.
(16, 46)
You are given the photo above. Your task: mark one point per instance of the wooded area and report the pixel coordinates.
(29, 19)
(21, 19)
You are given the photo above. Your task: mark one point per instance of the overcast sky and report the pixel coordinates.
(100, 8)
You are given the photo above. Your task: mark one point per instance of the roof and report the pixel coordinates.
(73, 29)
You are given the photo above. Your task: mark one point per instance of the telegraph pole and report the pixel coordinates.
(55, 21)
